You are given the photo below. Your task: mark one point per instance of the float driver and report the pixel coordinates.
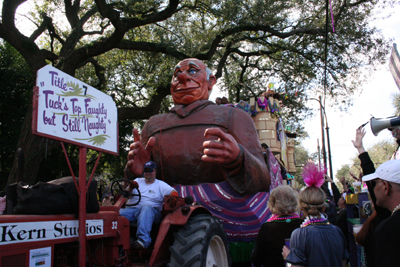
(198, 141)
(148, 211)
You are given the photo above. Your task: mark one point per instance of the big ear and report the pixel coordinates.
(211, 82)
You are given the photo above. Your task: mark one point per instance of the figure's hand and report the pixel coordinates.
(342, 180)
(139, 155)
(225, 150)
(360, 133)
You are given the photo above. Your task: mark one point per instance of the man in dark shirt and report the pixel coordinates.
(386, 186)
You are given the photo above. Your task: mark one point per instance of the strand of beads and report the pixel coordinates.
(284, 218)
(314, 221)
(396, 209)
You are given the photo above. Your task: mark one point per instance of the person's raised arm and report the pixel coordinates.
(357, 143)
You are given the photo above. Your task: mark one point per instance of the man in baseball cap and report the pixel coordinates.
(385, 182)
(148, 210)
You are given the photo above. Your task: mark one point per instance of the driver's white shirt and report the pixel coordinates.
(152, 194)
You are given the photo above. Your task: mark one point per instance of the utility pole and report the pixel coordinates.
(322, 132)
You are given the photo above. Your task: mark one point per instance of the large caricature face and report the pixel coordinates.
(189, 82)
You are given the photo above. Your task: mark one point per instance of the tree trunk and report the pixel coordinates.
(34, 148)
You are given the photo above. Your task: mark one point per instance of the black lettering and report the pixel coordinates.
(65, 230)
(41, 231)
(58, 229)
(30, 233)
(9, 233)
(20, 235)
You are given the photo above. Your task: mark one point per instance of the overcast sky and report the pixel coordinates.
(376, 99)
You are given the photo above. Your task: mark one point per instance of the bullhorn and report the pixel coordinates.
(378, 125)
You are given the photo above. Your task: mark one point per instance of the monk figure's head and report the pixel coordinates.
(192, 81)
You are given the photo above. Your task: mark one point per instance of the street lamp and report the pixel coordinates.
(322, 109)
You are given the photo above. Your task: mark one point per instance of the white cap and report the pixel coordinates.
(388, 171)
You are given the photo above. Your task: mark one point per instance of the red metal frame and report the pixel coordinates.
(115, 234)
(115, 227)
(83, 188)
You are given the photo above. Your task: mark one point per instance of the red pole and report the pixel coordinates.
(82, 206)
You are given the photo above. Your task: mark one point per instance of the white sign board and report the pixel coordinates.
(11, 233)
(40, 257)
(70, 110)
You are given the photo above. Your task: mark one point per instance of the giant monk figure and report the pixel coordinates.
(198, 141)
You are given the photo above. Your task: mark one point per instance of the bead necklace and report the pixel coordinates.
(284, 218)
(314, 221)
(396, 209)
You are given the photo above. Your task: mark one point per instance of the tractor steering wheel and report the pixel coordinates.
(115, 191)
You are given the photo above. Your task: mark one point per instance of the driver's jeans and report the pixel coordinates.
(145, 217)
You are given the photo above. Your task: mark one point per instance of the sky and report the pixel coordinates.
(375, 99)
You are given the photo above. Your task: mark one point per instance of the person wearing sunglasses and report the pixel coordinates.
(148, 211)
(385, 182)
(368, 167)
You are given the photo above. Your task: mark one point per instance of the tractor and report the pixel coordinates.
(188, 235)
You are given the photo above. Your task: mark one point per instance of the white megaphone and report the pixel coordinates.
(378, 125)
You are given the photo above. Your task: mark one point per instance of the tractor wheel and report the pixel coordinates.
(202, 242)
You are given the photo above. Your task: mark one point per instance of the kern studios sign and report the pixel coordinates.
(67, 109)
(11, 233)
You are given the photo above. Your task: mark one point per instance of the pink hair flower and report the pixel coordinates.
(313, 175)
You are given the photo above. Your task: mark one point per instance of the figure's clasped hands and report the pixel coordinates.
(139, 155)
(224, 150)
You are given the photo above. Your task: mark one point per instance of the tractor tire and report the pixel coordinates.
(202, 242)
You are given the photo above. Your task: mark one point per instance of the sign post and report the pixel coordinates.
(68, 110)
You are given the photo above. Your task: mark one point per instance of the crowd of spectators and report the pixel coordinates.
(322, 239)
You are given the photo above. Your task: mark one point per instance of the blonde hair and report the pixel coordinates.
(282, 200)
(312, 201)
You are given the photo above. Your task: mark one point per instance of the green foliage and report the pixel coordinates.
(396, 104)
(127, 49)
(16, 90)
(301, 156)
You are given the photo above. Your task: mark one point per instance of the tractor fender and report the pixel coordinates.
(164, 239)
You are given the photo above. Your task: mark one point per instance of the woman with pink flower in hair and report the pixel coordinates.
(317, 242)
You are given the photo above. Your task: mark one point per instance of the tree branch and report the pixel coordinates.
(153, 108)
